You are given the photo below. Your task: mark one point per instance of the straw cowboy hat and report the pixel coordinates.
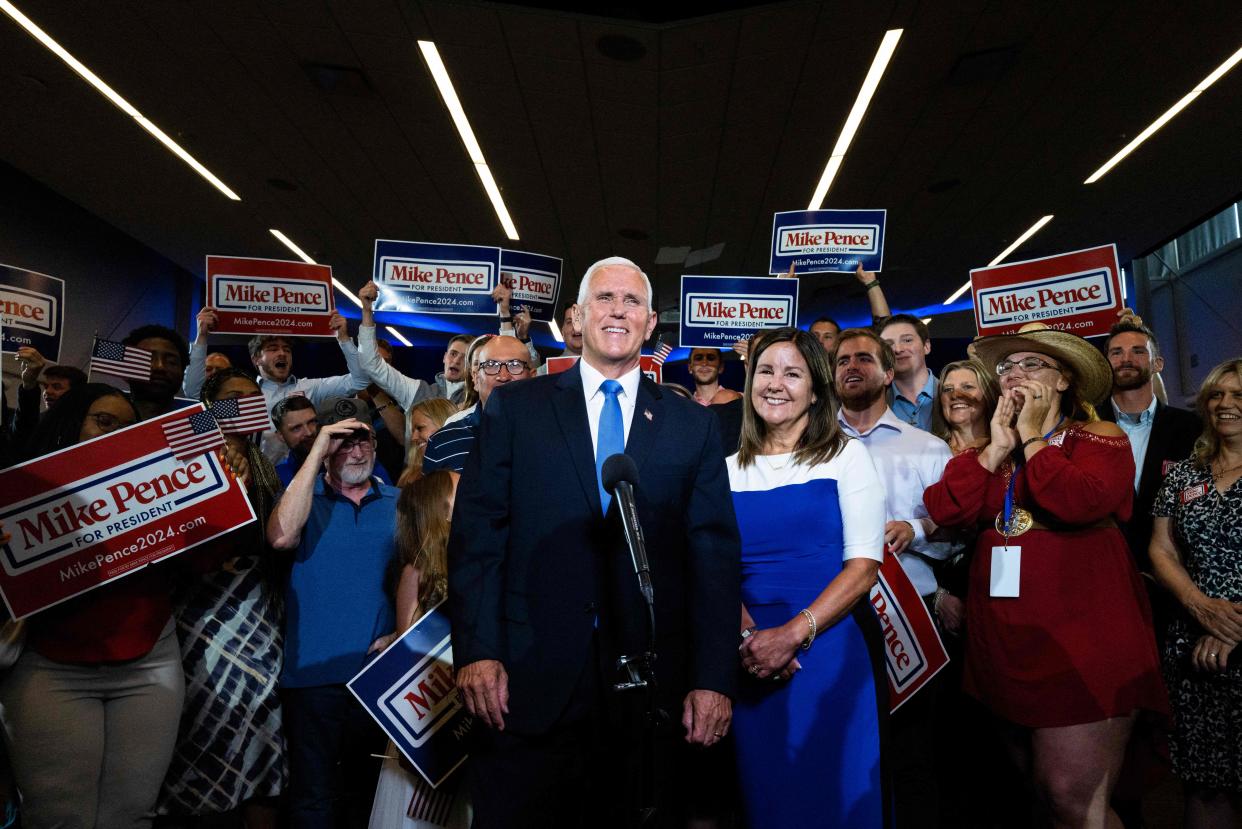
(1091, 372)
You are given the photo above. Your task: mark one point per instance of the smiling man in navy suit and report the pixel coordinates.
(542, 593)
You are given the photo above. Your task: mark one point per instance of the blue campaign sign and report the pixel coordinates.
(719, 310)
(828, 241)
(408, 689)
(32, 311)
(429, 278)
(535, 280)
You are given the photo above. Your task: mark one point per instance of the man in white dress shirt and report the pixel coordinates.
(909, 460)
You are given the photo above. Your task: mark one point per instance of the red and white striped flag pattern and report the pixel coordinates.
(120, 360)
(662, 351)
(242, 415)
(191, 436)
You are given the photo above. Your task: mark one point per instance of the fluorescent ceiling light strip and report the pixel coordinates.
(1030, 231)
(113, 96)
(556, 331)
(458, 113)
(336, 283)
(852, 122)
(1216, 75)
(397, 334)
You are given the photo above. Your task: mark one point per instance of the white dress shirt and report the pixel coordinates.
(591, 382)
(909, 460)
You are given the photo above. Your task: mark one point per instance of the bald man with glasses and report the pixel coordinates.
(501, 361)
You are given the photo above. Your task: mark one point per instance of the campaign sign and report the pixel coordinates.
(535, 280)
(32, 311)
(270, 296)
(107, 507)
(828, 241)
(650, 366)
(913, 651)
(427, 278)
(1078, 292)
(408, 689)
(716, 311)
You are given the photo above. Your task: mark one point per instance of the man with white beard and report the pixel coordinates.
(338, 520)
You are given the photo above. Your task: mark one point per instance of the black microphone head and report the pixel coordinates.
(619, 468)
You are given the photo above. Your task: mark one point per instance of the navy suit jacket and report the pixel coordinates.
(533, 563)
(1173, 434)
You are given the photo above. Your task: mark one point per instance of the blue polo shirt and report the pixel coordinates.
(335, 605)
(917, 412)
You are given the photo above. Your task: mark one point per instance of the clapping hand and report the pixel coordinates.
(1037, 401)
(1003, 437)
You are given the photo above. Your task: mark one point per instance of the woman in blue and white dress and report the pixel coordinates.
(810, 507)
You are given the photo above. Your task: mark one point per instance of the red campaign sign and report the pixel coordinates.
(270, 296)
(108, 507)
(913, 652)
(1078, 292)
(651, 367)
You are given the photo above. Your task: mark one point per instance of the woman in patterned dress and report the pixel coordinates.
(1196, 553)
(231, 752)
(1059, 640)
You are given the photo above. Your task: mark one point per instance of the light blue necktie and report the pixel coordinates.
(611, 438)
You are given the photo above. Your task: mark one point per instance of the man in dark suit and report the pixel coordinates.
(542, 594)
(1159, 434)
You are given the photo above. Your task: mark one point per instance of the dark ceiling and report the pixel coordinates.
(631, 134)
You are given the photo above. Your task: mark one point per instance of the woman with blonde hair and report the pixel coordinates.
(425, 419)
(1196, 553)
(418, 580)
(968, 393)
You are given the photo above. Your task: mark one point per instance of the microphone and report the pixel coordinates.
(620, 476)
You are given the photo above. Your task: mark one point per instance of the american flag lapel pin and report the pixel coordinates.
(647, 413)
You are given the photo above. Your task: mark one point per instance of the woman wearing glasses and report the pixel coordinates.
(91, 707)
(1059, 635)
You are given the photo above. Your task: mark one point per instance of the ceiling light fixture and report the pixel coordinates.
(113, 96)
(878, 64)
(336, 283)
(443, 83)
(1216, 75)
(1030, 231)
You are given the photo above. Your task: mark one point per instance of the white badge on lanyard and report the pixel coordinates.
(1006, 571)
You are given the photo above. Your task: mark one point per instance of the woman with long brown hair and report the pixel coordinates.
(418, 580)
(810, 508)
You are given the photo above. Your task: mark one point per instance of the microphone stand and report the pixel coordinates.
(637, 672)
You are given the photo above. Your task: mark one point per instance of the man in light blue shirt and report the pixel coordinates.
(913, 391)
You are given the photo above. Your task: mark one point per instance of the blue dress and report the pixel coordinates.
(808, 750)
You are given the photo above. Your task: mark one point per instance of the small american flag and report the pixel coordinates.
(662, 351)
(242, 415)
(119, 360)
(191, 436)
(432, 805)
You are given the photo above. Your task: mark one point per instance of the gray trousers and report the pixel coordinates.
(90, 744)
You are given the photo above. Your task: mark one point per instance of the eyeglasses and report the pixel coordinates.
(106, 422)
(353, 443)
(1029, 365)
(516, 368)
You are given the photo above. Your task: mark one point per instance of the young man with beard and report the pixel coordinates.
(909, 460)
(706, 367)
(272, 357)
(338, 519)
(500, 361)
(1159, 434)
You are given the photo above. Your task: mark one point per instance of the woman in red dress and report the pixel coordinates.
(1059, 636)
